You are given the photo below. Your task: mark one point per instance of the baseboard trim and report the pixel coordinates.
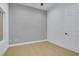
(4, 51)
(63, 46)
(18, 44)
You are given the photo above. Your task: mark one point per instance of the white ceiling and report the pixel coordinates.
(45, 7)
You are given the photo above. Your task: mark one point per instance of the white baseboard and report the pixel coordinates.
(62, 46)
(3, 47)
(18, 44)
(4, 51)
(54, 43)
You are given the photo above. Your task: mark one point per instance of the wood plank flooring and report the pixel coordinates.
(39, 49)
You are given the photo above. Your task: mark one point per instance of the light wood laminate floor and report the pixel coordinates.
(39, 49)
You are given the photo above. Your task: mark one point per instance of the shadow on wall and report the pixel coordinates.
(1, 25)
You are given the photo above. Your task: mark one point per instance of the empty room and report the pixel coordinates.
(39, 29)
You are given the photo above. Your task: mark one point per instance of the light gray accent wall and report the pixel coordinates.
(26, 24)
(64, 18)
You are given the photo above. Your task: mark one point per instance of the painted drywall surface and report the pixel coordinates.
(71, 26)
(4, 43)
(26, 24)
(55, 27)
(1, 26)
(61, 19)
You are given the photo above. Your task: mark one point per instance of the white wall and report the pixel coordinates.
(54, 26)
(1, 26)
(26, 24)
(4, 43)
(71, 26)
(64, 18)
